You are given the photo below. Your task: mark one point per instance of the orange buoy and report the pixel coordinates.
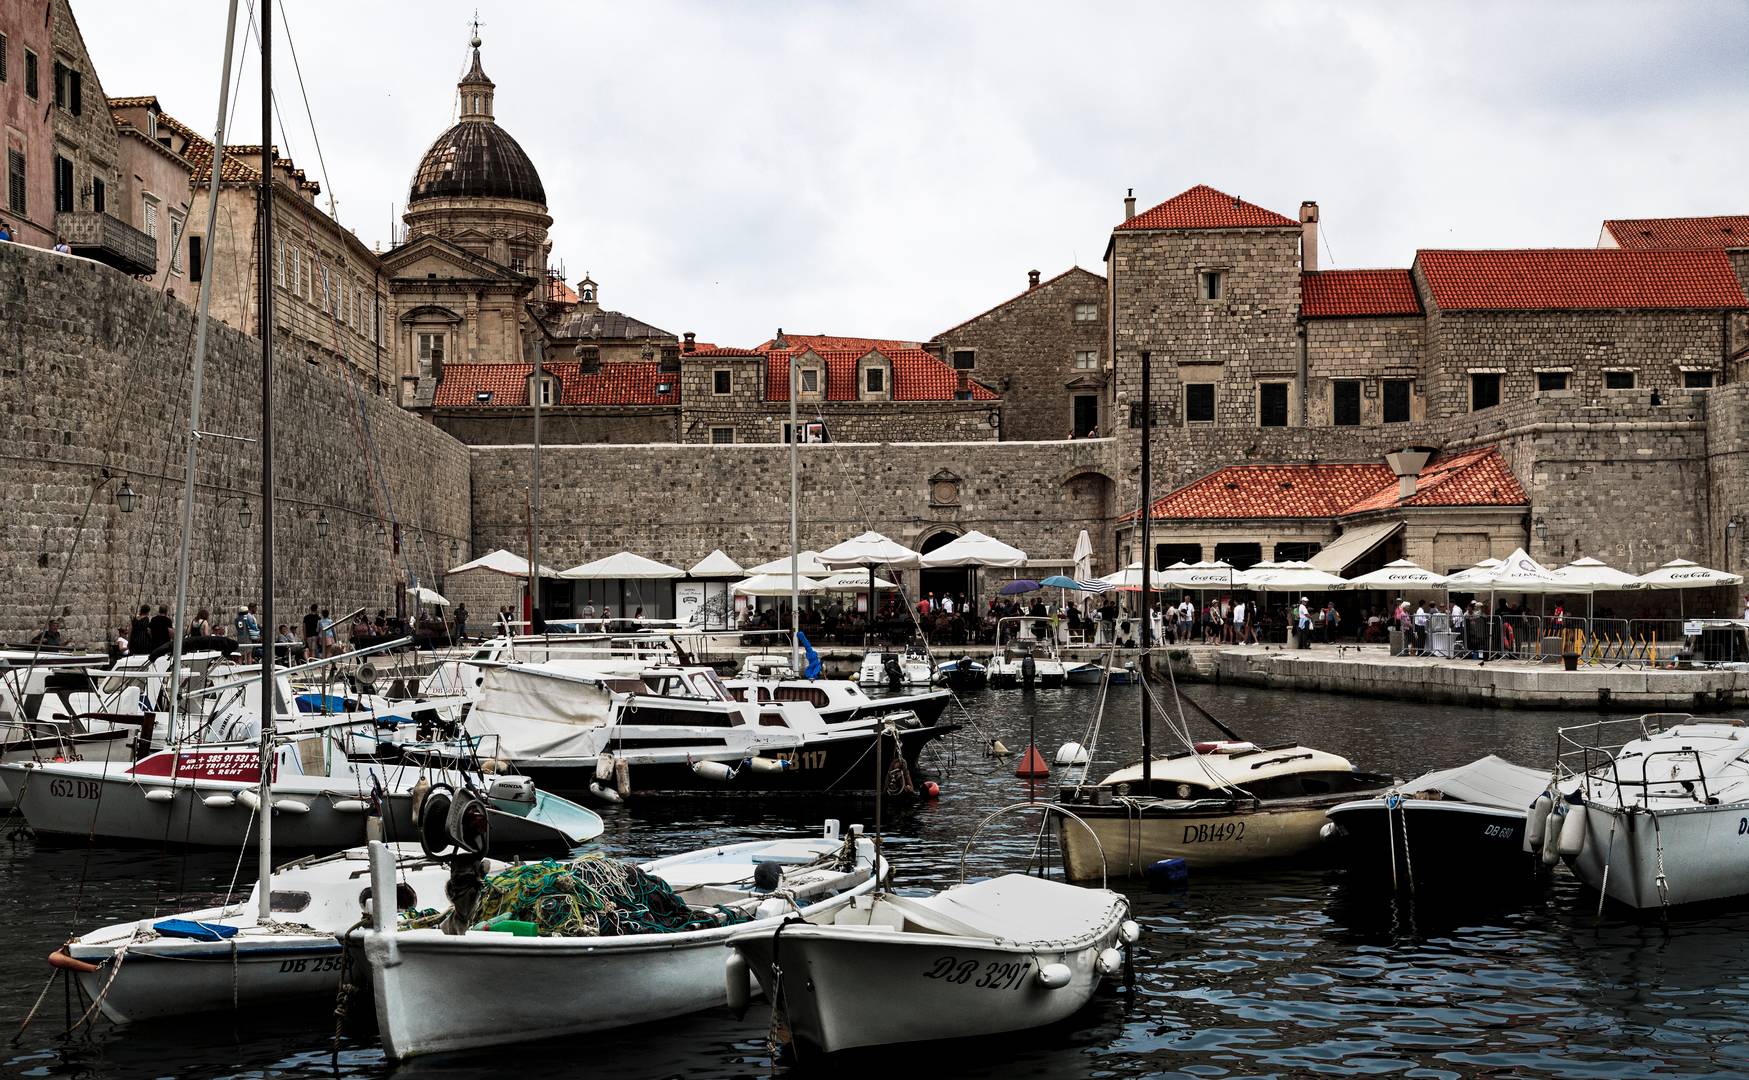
(1032, 764)
(931, 789)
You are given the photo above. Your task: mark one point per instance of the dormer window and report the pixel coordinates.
(810, 380)
(549, 391)
(874, 381)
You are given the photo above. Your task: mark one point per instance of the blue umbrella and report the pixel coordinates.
(1058, 581)
(1018, 586)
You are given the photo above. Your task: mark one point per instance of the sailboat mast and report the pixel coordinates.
(1147, 573)
(534, 392)
(795, 490)
(264, 278)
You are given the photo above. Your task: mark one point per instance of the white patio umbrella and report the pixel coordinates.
(1683, 574)
(502, 562)
(808, 565)
(870, 550)
(1291, 577)
(973, 549)
(775, 585)
(427, 596)
(1401, 574)
(716, 564)
(850, 581)
(624, 566)
(1130, 578)
(1207, 574)
(1594, 576)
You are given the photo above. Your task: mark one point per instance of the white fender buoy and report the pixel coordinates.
(249, 798)
(1055, 976)
(604, 767)
(1129, 931)
(1571, 841)
(997, 749)
(1327, 831)
(767, 765)
(161, 795)
(738, 981)
(291, 806)
(220, 802)
(348, 806)
(1109, 962)
(1071, 753)
(713, 770)
(1557, 821)
(605, 794)
(622, 777)
(1537, 823)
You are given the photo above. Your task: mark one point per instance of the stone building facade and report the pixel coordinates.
(27, 41)
(1044, 351)
(153, 174)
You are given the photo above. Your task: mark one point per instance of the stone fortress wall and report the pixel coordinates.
(96, 374)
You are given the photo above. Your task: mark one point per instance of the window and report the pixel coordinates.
(60, 85)
(964, 359)
(1551, 380)
(723, 436)
(1484, 389)
(279, 264)
(1697, 380)
(810, 380)
(1086, 359)
(297, 272)
(1086, 312)
(98, 202)
(377, 326)
(431, 351)
(1272, 404)
(1618, 380)
(2, 58)
(720, 382)
(30, 74)
(874, 380)
(1199, 403)
(175, 242)
(1396, 401)
(15, 181)
(1086, 417)
(63, 185)
(1345, 403)
(1210, 285)
(195, 265)
(68, 92)
(549, 391)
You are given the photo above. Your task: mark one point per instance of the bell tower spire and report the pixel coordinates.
(475, 88)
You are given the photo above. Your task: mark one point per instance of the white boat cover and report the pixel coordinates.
(1489, 781)
(525, 712)
(1015, 907)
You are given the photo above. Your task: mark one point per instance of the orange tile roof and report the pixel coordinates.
(1202, 207)
(1722, 231)
(149, 101)
(635, 383)
(1580, 279)
(1334, 294)
(1329, 490)
(835, 342)
(917, 375)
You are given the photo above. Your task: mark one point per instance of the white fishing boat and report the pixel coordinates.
(229, 956)
(1022, 659)
(1007, 954)
(322, 795)
(1656, 820)
(895, 670)
(438, 992)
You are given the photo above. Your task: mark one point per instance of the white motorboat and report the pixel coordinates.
(840, 701)
(1022, 658)
(962, 673)
(437, 992)
(229, 957)
(322, 798)
(895, 670)
(1657, 820)
(1007, 954)
(1082, 673)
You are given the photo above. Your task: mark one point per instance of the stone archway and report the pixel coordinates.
(939, 583)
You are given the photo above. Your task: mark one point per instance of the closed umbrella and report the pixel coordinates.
(427, 596)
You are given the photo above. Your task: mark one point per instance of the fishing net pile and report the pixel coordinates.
(594, 897)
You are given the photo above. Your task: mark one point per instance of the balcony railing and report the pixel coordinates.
(96, 235)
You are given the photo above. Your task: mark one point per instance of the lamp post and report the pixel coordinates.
(1731, 528)
(245, 515)
(317, 512)
(1541, 528)
(126, 498)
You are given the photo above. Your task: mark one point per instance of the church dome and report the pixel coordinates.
(476, 159)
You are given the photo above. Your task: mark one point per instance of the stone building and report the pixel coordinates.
(1044, 351)
(155, 175)
(27, 48)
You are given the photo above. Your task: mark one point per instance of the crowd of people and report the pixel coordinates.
(315, 635)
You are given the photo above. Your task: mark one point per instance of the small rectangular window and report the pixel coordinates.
(195, 263)
(964, 359)
(810, 380)
(1618, 380)
(60, 85)
(431, 351)
(63, 185)
(1086, 359)
(1210, 284)
(15, 187)
(176, 243)
(99, 202)
(1551, 380)
(30, 63)
(1199, 403)
(723, 436)
(720, 382)
(1086, 312)
(1345, 403)
(279, 264)
(875, 379)
(1272, 404)
(1396, 401)
(78, 93)
(2, 58)
(1484, 390)
(549, 391)
(1697, 380)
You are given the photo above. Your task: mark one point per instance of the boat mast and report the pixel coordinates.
(264, 277)
(534, 391)
(188, 461)
(1147, 575)
(795, 487)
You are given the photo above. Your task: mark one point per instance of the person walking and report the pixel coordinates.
(162, 629)
(140, 631)
(312, 633)
(461, 621)
(1420, 628)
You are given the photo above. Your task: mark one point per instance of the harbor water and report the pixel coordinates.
(1279, 972)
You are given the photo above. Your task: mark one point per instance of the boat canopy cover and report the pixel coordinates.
(1233, 769)
(1017, 907)
(527, 712)
(1489, 781)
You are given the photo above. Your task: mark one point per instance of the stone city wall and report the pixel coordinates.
(96, 370)
(604, 424)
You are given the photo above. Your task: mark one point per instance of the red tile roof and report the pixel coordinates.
(1202, 207)
(917, 375)
(1580, 279)
(614, 384)
(834, 342)
(1472, 478)
(1334, 294)
(723, 351)
(1723, 231)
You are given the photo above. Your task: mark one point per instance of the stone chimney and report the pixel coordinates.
(1308, 236)
(588, 359)
(1406, 463)
(689, 342)
(963, 382)
(1129, 204)
(1032, 279)
(670, 360)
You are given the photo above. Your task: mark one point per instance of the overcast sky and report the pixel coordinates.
(889, 169)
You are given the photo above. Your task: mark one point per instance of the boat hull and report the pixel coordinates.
(154, 983)
(1431, 842)
(1134, 834)
(1705, 854)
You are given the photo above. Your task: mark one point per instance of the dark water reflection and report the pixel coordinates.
(1282, 973)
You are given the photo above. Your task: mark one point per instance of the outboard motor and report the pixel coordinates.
(1028, 671)
(894, 674)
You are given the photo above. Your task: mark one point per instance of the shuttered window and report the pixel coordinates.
(15, 181)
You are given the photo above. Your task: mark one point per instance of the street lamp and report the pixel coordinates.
(1542, 530)
(321, 516)
(126, 498)
(244, 514)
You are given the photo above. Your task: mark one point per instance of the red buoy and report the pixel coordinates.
(1032, 764)
(931, 789)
